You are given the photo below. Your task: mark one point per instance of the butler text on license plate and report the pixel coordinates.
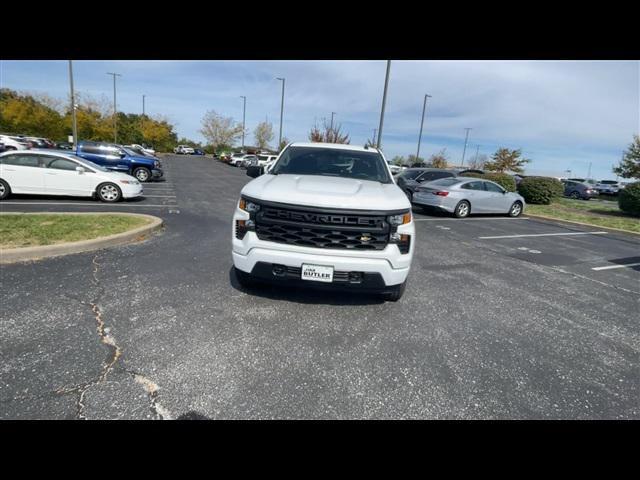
(317, 273)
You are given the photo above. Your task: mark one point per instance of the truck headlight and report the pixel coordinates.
(248, 206)
(400, 219)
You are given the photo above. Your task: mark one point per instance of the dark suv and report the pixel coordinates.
(579, 190)
(411, 178)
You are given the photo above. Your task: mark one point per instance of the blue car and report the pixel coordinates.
(197, 151)
(121, 159)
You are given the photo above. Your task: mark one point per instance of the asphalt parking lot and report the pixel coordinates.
(502, 318)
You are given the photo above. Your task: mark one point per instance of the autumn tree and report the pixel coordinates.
(478, 162)
(439, 160)
(263, 134)
(507, 160)
(629, 166)
(328, 133)
(219, 130)
(283, 143)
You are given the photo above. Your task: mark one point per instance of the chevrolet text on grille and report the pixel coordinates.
(317, 218)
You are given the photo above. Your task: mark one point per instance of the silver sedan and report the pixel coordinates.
(463, 196)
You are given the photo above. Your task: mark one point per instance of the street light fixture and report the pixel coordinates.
(73, 106)
(244, 109)
(281, 110)
(384, 102)
(115, 112)
(424, 108)
(466, 138)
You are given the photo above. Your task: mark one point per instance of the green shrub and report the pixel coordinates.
(540, 190)
(629, 199)
(505, 180)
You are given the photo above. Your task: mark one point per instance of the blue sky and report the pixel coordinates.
(563, 114)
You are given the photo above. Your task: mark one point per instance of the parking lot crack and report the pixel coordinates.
(152, 389)
(115, 352)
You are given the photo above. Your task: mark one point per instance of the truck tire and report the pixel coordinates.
(142, 174)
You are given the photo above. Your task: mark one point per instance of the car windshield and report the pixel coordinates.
(332, 162)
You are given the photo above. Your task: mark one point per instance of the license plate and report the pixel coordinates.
(317, 273)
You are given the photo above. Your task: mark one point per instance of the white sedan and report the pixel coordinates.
(45, 172)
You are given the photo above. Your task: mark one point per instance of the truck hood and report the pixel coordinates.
(330, 192)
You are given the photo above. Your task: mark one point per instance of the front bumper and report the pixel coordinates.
(157, 173)
(131, 191)
(391, 265)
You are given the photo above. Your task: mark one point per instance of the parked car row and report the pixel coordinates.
(55, 172)
(106, 171)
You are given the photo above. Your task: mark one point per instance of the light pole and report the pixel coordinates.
(374, 135)
(384, 101)
(244, 110)
(424, 108)
(477, 151)
(332, 114)
(115, 112)
(281, 110)
(143, 96)
(465, 146)
(73, 106)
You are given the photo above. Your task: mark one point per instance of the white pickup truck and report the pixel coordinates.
(327, 215)
(183, 150)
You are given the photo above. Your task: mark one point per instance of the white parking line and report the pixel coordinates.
(88, 204)
(611, 267)
(159, 196)
(467, 219)
(543, 235)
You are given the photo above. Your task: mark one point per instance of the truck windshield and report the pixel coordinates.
(332, 162)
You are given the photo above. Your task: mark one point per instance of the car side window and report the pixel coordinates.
(60, 164)
(473, 186)
(492, 187)
(22, 160)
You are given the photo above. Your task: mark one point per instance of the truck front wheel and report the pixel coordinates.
(142, 174)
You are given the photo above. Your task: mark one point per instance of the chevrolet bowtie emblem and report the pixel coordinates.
(365, 238)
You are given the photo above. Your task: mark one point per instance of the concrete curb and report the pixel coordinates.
(544, 217)
(12, 255)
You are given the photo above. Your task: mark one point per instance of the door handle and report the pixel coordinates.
(50, 173)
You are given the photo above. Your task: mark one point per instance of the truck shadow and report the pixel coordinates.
(307, 295)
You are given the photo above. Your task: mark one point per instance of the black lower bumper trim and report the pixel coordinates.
(360, 281)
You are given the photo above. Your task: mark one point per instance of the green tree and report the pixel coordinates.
(629, 166)
(507, 160)
(413, 160)
(398, 160)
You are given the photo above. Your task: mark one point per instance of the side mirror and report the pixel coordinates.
(254, 171)
(80, 169)
(122, 154)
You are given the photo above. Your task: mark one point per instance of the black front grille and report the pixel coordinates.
(312, 229)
